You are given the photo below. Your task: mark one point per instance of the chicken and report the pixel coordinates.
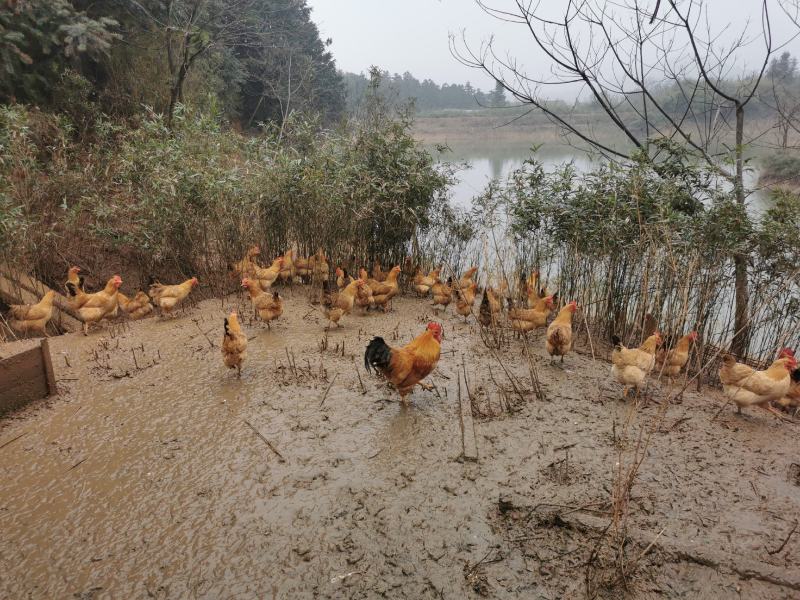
(244, 268)
(524, 320)
(74, 278)
(631, 366)
(287, 271)
(92, 308)
(442, 293)
(465, 282)
(137, 307)
(266, 277)
(320, 269)
(364, 297)
(337, 305)
(465, 298)
(383, 292)
(167, 297)
(32, 318)
(302, 267)
(268, 306)
(792, 397)
(422, 284)
(532, 292)
(485, 315)
(377, 273)
(342, 278)
(234, 344)
(407, 366)
(559, 333)
(503, 292)
(669, 362)
(747, 387)
(490, 307)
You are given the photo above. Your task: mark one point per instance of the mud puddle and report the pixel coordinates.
(145, 478)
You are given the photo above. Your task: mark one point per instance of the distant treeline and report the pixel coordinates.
(427, 95)
(777, 99)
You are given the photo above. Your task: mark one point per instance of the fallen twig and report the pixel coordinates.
(328, 389)
(14, 439)
(266, 441)
(786, 541)
(81, 461)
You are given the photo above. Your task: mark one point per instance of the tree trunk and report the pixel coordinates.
(741, 337)
(175, 93)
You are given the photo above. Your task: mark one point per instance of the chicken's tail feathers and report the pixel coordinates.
(616, 341)
(555, 338)
(378, 354)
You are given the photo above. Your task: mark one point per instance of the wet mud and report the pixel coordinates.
(158, 474)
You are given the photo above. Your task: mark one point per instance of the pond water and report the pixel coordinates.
(495, 161)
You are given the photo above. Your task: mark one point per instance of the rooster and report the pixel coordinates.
(167, 297)
(747, 387)
(631, 366)
(32, 318)
(234, 344)
(559, 333)
(407, 366)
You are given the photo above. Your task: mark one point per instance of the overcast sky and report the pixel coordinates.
(412, 35)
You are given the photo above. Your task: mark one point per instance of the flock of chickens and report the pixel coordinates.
(405, 367)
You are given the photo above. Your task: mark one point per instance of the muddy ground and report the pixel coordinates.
(145, 478)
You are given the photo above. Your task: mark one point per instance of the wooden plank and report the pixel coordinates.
(50, 375)
(468, 441)
(22, 379)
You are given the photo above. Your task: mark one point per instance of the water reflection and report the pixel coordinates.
(494, 161)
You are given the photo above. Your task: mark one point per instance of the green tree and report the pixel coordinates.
(498, 96)
(38, 38)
